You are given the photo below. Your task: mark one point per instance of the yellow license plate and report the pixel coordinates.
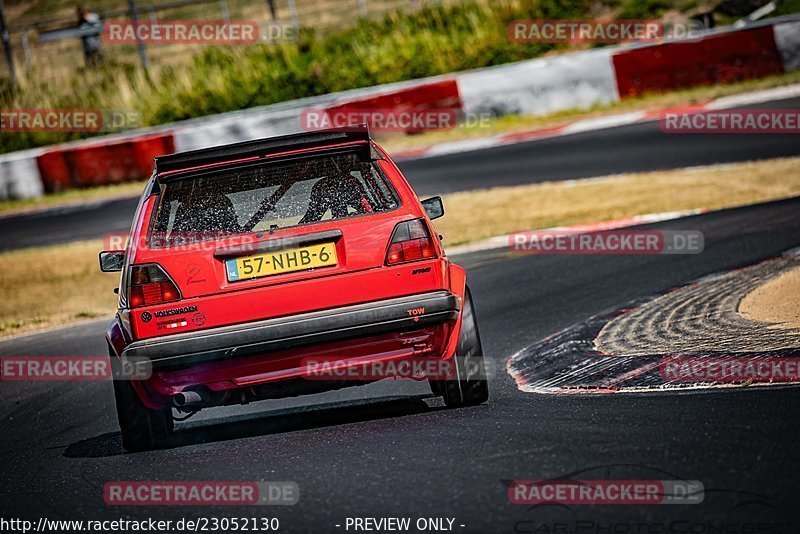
(282, 261)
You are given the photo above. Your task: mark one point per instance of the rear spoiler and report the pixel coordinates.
(353, 138)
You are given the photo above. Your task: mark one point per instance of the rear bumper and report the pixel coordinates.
(182, 350)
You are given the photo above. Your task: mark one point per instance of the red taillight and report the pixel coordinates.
(149, 284)
(410, 242)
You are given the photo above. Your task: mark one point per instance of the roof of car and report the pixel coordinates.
(356, 138)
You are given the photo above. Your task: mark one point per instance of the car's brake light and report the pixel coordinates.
(411, 241)
(149, 284)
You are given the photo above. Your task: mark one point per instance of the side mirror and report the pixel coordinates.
(112, 261)
(433, 207)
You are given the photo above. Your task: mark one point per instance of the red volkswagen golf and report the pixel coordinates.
(273, 268)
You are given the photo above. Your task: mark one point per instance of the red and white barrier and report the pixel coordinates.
(787, 38)
(718, 58)
(102, 163)
(285, 118)
(540, 86)
(19, 176)
(599, 123)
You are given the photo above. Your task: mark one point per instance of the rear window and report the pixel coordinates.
(260, 198)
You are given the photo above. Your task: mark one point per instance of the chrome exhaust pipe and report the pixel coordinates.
(190, 398)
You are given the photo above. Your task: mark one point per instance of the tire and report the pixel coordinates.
(470, 386)
(142, 429)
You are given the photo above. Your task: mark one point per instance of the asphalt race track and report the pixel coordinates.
(387, 450)
(634, 148)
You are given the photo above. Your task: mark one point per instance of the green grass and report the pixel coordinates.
(788, 7)
(641, 9)
(403, 45)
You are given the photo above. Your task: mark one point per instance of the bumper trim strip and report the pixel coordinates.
(370, 318)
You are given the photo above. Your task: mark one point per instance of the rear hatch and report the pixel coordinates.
(266, 223)
(268, 237)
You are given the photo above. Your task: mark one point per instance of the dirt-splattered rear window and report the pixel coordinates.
(267, 197)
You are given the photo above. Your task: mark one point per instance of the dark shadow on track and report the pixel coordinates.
(264, 424)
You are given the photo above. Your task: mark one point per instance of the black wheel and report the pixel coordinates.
(142, 428)
(470, 386)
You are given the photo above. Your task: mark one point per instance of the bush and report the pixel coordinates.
(433, 40)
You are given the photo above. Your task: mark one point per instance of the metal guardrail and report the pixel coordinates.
(65, 27)
(29, 37)
(69, 33)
